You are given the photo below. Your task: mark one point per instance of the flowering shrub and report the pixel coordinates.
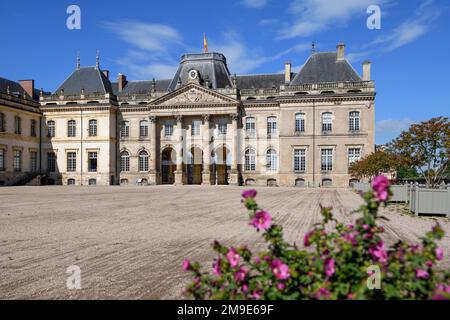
(342, 264)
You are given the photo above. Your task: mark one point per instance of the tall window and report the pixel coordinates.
(125, 133)
(125, 161)
(354, 121)
(92, 128)
(71, 128)
(327, 122)
(223, 126)
(71, 161)
(17, 160)
(354, 155)
(2, 123)
(51, 161)
(33, 161)
(33, 128)
(250, 160)
(92, 161)
(250, 126)
(168, 128)
(271, 126)
(300, 122)
(272, 160)
(195, 127)
(2, 159)
(143, 161)
(17, 125)
(299, 160)
(143, 129)
(327, 160)
(51, 129)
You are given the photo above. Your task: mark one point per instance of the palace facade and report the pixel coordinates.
(203, 126)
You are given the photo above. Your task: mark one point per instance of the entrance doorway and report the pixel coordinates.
(221, 165)
(194, 166)
(168, 166)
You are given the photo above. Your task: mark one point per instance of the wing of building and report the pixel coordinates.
(203, 126)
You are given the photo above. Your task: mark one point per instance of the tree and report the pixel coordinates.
(374, 164)
(426, 148)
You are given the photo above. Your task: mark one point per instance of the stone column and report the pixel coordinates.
(154, 172)
(234, 172)
(207, 140)
(181, 153)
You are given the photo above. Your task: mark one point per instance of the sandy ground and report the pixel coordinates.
(130, 241)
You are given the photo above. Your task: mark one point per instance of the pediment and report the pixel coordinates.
(193, 94)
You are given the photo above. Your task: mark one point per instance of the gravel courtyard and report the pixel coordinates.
(130, 241)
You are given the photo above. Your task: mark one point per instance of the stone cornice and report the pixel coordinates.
(75, 108)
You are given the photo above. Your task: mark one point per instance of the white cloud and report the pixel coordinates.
(393, 126)
(312, 16)
(256, 4)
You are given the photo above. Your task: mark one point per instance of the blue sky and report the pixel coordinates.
(145, 39)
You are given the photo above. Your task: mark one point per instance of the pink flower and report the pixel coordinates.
(261, 220)
(350, 296)
(443, 288)
(281, 286)
(239, 276)
(422, 274)
(233, 257)
(439, 254)
(366, 226)
(350, 237)
(245, 288)
(429, 263)
(323, 292)
(186, 265)
(329, 267)
(380, 186)
(280, 270)
(379, 253)
(256, 295)
(216, 267)
(247, 194)
(307, 238)
(257, 260)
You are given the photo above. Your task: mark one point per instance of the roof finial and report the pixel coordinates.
(78, 61)
(205, 43)
(313, 47)
(97, 64)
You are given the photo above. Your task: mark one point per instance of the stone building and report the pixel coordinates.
(207, 126)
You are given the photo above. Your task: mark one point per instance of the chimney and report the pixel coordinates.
(287, 72)
(28, 86)
(367, 66)
(106, 73)
(340, 49)
(122, 80)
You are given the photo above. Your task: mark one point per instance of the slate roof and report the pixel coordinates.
(260, 81)
(324, 67)
(14, 87)
(91, 79)
(140, 87)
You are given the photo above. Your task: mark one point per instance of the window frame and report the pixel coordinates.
(143, 129)
(272, 126)
(17, 125)
(353, 158)
(143, 165)
(354, 121)
(300, 122)
(250, 126)
(33, 161)
(327, 122)
(125, 155)
(300, 160)
(2, 122)
(326, 160)
(125, 129)
(168, 128)
(51, 128)
(250, 160)
(17, 160)
(272, 160)
(2, 159)
(93, 128)
(51, 168)
(71, 162)
(71, 128)
(33, 127)
(92, 159)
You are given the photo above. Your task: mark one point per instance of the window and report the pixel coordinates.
(92, 182)
(2, 123)
(33, 161)
(250, 127)
(71, 128)
(51, 128)
(327, 160)
(271, 126)
(92, 161)
(354, 121)
(17, 160)
(124, 182)
(71, 162)
(250, 160)
(223, 126)
(2, 159)
(299, 160)
(195, 128)
(33, 128)
(71, 182)
(272, 160)
(143, 161)
(354, 155)
(300, 122)
(92, 128)
(51, 162)
(17, 125)
(143, 129)
(327, 122)
(168, 128)
(125, 133)
(124, 162)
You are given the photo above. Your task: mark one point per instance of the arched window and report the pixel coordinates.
(51, 129)
(271, 126)
(143, 129)
(143, 161)
(125, 162)
(125, 132)
(2, 123)
(272, 160)
(327, 122)
(71, 182)
(250, 160)
(354, 121)
(71, 128)
(300, 122)
(250, 126)
(92, 128)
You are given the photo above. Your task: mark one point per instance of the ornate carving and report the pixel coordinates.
(153, 119)
(234, 116)
(195, 96)
(206, 117)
